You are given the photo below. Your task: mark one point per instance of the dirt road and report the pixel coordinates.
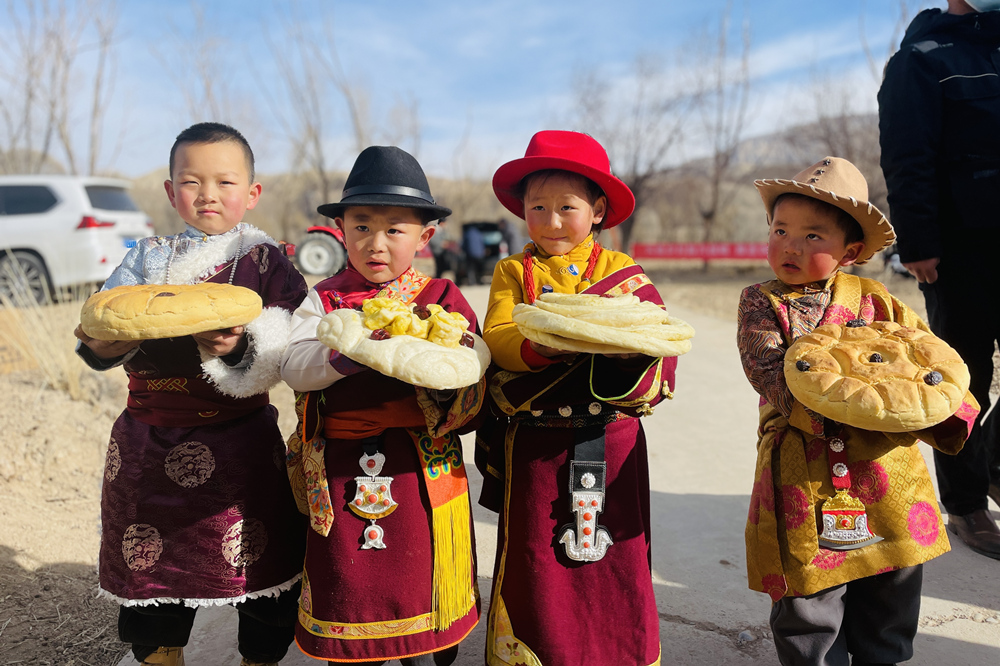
(701, 463)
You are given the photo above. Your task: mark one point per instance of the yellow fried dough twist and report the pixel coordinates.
(437, 325)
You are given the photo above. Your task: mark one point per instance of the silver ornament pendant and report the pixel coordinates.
(373, 498)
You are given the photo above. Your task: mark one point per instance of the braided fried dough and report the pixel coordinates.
(881, 377)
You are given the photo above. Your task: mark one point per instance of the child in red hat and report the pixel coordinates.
(572, 583)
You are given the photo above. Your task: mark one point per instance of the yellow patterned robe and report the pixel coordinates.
(792, 478)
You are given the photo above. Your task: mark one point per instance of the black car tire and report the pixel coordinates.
(23, 278)
(320, 254)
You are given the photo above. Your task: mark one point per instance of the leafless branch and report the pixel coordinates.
(723, 112)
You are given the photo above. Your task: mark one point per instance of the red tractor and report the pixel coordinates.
(322, 251)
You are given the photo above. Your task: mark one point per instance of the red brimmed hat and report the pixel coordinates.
(569, 151)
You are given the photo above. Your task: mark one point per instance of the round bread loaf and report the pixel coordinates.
(411, 359)
(881, 377)
(603, 325)
(152, 311)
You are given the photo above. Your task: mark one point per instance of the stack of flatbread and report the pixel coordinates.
(420, 345)
(594, 324)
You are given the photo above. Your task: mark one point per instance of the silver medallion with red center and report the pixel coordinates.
(586, 541)
(373, 498)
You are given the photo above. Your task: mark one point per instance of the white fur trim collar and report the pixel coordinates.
(196, 264)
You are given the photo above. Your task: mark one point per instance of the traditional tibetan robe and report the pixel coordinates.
(404, 583)
(196, 507)
(547, 608)
(793, 476)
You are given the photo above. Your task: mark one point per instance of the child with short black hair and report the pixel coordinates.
(196, 508)
(568, 590)
(832, 596)
(404, 586)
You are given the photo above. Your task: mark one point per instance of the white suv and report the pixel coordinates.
(65, 230)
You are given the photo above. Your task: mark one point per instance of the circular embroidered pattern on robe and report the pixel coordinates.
(141, 546)
(829, 559)
(815, 449)
(922, 523)
(867, 311)
(869, 481)
(114, 461)
(795, 505)
(244, 542)
(774, 585)
(189, 464)
(761, 495)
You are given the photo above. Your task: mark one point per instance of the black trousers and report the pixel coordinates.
(266, 626)
(868, 621)
(964, 310)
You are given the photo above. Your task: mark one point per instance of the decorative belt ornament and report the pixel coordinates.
(845, 521)
(586, 541)
(372, 496)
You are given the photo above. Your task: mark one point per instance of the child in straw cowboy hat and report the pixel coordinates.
(553, 604)
(831, 599)
(404, 586)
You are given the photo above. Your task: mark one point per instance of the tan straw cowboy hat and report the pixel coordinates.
(837, 182)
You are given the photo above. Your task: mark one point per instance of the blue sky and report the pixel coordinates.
(494, 72)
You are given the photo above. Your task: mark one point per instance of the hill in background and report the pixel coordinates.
(672, 213)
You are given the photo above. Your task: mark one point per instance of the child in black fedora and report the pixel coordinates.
(406, 587)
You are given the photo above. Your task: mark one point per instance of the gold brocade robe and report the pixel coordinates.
(792, 478)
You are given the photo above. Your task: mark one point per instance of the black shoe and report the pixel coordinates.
(978, 531)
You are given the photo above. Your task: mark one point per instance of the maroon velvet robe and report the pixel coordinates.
(196, 507)
(546, 608)
(373, 605)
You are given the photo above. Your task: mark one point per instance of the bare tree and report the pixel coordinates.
(904, 11)
(196, 59)
(316, 84)
(842, 124)
(303, 117)
(468, 195)
(640, 120)
(44, 100)
(103, 19)
(722, 110)
(25, 69)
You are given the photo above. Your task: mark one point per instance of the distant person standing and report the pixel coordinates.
(474, 247)
(439, 248)
(939, 110)
(511, 236)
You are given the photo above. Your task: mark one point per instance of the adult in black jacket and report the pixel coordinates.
(939, 119)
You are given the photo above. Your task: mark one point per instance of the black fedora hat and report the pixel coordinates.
(386, 176)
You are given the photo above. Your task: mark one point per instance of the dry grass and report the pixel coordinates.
(41, 335)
